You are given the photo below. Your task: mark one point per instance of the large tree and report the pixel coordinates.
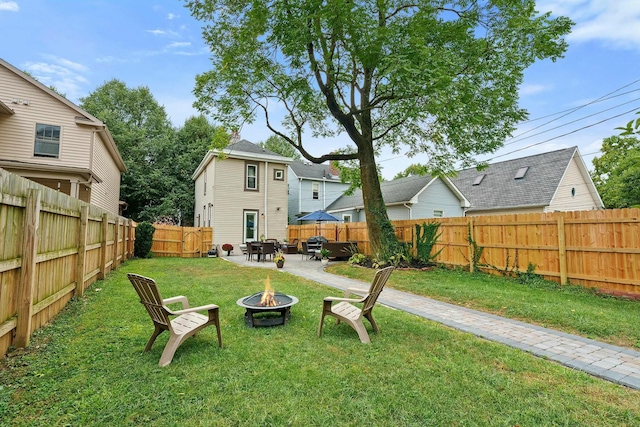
(145, 139)
(432, 77)
(616, 173)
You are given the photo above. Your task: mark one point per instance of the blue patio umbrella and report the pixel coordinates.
(318, 216)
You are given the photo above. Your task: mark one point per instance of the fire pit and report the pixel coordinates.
(267, 308)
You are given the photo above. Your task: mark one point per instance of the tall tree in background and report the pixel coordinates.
(193, 140)
(427, 76)
(616, 173)
(280, 145)
(146, 141)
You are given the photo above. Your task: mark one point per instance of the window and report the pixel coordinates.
(205, 182)
(346, 217)
(573, 192)
(478, 180)
(438, 214)
(316, 191)
(251, 182)
(47, 141)
(521, 172)
(278, 174)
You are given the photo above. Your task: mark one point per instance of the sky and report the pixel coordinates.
(77, 45)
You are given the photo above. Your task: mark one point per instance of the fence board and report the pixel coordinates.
(33, 289)
(598, 249)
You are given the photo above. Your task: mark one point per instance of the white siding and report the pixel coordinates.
(17, 132)
(573, 192)
(107, 193)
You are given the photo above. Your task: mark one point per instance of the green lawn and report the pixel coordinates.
(87, 367)
(568, 308)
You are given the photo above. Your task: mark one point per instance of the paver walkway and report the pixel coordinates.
(617, 364)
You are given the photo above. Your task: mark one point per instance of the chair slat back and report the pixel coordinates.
(379, 280)
(268, 248)
(150, 297)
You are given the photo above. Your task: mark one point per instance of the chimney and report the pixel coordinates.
(235, 137)
(333, 171)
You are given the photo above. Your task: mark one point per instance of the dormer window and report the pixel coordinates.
(521, 172)
(479, 179)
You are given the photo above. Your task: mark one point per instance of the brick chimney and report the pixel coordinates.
(235, 137)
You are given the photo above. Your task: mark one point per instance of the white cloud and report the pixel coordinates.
(179, 44)
(9, 6)
(63, 74)
(532, 89)
(156, 32)
(172, 16)
(611, 22)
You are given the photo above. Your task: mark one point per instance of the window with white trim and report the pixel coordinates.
(251, 182)
(315, 188)
(47, 141)
(278, 174)
(438, 214)
(346, 217)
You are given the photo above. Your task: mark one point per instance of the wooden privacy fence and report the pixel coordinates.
(52, 247)
(183, 242)
(599, 249)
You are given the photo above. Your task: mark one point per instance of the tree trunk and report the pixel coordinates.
(382, 239)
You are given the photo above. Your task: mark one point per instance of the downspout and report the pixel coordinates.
(266, 190)
(410, 211)
(299, 195)
(324, 193)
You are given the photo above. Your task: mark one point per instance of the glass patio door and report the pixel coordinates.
(250, 226)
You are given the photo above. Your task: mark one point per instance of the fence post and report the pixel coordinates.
(82, 250)
(116, 237)
(24, 309)
(562, 249)
(181, 241)
(472, 253)
(103, 246)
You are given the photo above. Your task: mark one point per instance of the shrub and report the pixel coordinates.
(144, 240)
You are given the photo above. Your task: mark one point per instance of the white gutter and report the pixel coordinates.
(266, 190)
(299, 195)
(324, 193)
(410, 211)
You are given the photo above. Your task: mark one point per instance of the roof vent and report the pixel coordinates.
(479, 179)
(521, 172)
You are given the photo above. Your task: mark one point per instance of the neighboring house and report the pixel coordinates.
(241, 192)
(48, 139)
(312, 187)
(412, 197)
(547, 182)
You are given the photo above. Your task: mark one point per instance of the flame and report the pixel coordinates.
(268, 299)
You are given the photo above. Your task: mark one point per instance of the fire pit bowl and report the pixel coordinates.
(278, 313)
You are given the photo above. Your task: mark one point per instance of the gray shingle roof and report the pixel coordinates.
(250, 147)
(312, 171)
(393, 192)
(498, 189)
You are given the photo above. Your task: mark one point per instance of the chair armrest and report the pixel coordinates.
(356, 291)
(180, 298)
(344, 299)
(193, 309)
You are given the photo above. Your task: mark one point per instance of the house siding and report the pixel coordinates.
(17, 132)
(437, 197)
(81, 151)
(107, 192)
(564, 200)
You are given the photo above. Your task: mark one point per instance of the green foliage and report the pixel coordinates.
(324, 253)
(280, 145)
(476, 251)
(358, 259)
(616, 173)
(426, 238)
(632, 128)
(144, 240)
(530, 277)
(413, 169)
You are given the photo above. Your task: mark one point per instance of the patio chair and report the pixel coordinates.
(306, 252)
(187, 323)
(267, 248)
(347, 312)
(250, 250)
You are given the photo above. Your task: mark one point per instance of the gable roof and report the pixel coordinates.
(84, 117)
(243, 150)
(396, 192)
(500, 189)
(313, 171)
